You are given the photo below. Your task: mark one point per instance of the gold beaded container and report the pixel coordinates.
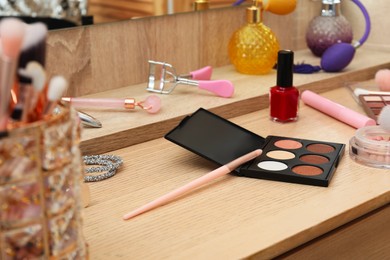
(40, 198)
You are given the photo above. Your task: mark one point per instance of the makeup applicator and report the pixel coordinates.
(57, 87)
(382, 78)
(223, 170)
(28, 98)
(33, 49)
(12, 33)
(151, 104)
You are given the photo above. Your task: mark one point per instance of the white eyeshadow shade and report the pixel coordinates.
(280, 155)
(272, 166)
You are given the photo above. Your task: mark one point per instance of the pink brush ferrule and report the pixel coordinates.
(222, 88)
(202, 74)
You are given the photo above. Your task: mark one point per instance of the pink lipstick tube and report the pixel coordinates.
(336, 110)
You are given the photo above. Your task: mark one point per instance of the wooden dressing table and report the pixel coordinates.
(233, 217)
(236, 217)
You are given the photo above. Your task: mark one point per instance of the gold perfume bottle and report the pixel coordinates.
(253, 49)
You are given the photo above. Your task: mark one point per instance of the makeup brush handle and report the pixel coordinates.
(96, 102)
(222, 88)
(223, 170)
(202, 74)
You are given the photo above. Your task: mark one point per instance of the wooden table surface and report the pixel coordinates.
(232, 217)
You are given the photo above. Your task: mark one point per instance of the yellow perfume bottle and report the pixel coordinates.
(253, 49)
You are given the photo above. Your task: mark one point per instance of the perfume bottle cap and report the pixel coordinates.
(200, 5)
(285, 68)
(254, 12)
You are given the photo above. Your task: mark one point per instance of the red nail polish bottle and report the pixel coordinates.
(284, 97)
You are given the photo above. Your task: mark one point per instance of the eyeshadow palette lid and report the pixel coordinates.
(214, 137)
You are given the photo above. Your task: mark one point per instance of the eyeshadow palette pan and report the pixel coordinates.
(285, 159)
(373, 104)
(296, 160)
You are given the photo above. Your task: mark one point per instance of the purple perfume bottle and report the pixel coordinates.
(328, 28)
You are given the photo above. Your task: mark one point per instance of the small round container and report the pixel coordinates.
(371, 146)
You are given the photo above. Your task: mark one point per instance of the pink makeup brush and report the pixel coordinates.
(151, 104)
(57, 87)
(33, 49)
(37, 73)
(11, 32)
(34, 45)
(223, 170)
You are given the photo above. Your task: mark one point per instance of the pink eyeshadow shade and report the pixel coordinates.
(288, 144)
(320, 148)
(307, 170)
(376, 105)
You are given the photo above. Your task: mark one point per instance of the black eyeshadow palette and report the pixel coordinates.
(285, 159)
(296, 160)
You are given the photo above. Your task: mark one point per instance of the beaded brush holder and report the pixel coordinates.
(40, 197)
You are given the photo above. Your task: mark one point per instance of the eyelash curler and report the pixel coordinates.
(163, 79)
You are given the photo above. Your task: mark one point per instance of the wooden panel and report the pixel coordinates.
(365, 238)
(115, 55)
(116, 10)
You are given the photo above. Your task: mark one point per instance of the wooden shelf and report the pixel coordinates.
(125, 128)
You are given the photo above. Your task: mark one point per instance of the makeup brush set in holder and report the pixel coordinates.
(40, 161)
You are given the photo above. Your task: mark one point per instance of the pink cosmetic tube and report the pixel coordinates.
(336, 110)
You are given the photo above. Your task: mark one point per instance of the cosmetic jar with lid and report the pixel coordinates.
(371, 146)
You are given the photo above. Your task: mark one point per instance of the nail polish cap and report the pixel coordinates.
(285, 68)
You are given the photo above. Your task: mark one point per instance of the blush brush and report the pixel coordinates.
(12, 32)
(57, 87)
(221, 171)
(33, 50)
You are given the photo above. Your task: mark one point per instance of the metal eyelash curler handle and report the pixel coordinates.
(158, 82)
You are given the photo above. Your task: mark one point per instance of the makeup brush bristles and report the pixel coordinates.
(57, 88)
(34, 45)
(12, 33)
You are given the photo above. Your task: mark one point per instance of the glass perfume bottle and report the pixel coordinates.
(253, 49)
(284, 97)
(328, 28)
